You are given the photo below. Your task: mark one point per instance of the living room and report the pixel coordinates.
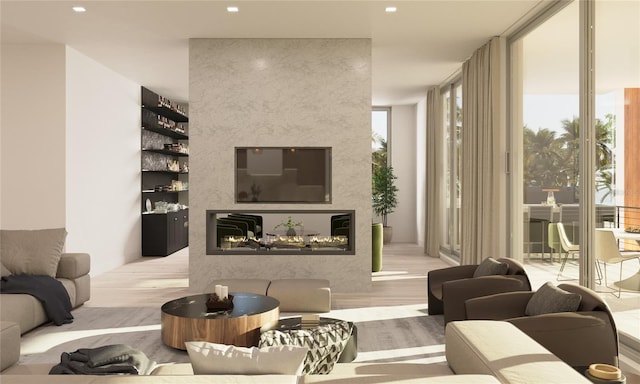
(94, 175)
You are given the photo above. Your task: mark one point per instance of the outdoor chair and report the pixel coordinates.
(608, 252)
(568, 248)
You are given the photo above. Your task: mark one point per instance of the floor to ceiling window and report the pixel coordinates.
(546, 108)
(547, 146)
(617, 134)
(452, 126)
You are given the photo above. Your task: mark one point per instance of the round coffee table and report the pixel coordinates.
(187, 319)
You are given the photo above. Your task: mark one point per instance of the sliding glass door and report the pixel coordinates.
(575, 140)
(452, 126)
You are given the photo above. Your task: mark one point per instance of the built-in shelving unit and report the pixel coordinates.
(164, 174)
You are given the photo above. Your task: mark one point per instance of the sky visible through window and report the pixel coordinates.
(548, 111)
(379, 127)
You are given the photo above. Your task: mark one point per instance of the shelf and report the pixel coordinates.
(165, 171)
(168, 112)
(166, 132)
(165, 152)
(164, 135)
(150, 101)
(153, 191)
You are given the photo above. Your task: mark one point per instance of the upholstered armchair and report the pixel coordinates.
(449, 288)
(579, 337)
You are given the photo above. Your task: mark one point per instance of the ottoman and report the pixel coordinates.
(301, 295)
(350, 351)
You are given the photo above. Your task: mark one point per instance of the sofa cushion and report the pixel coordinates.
(551, 299)
(32, 252)
(325, 344)
(73, 265)
(301, 295)
(491, 266)
(220, 359)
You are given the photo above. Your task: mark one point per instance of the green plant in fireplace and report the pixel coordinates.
(290, 225)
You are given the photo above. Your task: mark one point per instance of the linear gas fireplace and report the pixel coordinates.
(327, 232)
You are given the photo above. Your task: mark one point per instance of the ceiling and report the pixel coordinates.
(420, 45)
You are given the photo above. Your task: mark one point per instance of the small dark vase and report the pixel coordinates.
(291, 232)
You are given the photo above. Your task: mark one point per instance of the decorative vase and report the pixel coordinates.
(291, 232)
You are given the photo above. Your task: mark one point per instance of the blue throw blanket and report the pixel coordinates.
(51, 293)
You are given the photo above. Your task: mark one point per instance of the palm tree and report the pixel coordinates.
(379, 155)
(604, 152)
(571, 145)
(542, 158)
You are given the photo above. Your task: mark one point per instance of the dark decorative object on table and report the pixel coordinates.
(216, 304)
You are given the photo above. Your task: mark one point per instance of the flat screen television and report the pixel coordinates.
(283, 175)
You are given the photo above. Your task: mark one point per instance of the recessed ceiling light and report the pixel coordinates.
(79, 9)
(233, 9)
(390, 9)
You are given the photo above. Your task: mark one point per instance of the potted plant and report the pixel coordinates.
(384, 197)
(290, 225)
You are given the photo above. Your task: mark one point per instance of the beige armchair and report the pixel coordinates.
(569, 335)
(449, 288)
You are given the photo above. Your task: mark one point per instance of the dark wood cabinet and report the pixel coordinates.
(164, 175)
(164, 234)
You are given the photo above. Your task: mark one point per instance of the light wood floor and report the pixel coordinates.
(152, 281)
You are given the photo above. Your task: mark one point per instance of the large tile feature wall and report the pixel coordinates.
(280, 92)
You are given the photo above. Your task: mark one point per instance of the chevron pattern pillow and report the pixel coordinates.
(325, 344)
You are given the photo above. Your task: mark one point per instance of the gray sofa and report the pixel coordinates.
(476, 352)
(21, 313)
(27, 311)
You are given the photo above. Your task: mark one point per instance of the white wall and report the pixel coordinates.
(33, 136)
(403, 159)
(280, 92)
(102, 163)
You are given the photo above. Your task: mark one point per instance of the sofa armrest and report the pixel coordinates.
(73, 265)
(437, 277)
(572, 335)
(500, 349)
(455, 293)
(500, 306)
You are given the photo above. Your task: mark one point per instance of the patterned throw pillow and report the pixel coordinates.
(325, 344)
(220, 359)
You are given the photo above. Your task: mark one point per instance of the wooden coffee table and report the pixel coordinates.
(187, 319)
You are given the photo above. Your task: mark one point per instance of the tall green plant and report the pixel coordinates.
(384, 191)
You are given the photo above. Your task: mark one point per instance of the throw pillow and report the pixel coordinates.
(551, 299)
(5, 271)
(220, 359)
(491, 266)
(32, 252)
(325, 344)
